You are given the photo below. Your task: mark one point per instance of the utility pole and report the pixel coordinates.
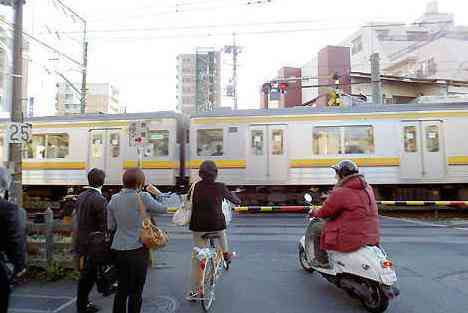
(83, 82)
(234, 69)
(375, 79)
(15, 157)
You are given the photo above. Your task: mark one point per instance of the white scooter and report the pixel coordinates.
(366, 274)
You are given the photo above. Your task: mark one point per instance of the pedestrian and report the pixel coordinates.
(207, 217)
(90, 213)
(131, 256)
(12, 243)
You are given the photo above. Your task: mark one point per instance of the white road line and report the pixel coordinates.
(27, 311)
(414, 221)
(40, 296)
(65, 305)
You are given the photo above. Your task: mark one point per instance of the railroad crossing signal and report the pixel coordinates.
(137, 133)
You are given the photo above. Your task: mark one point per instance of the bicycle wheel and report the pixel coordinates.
(209, 279)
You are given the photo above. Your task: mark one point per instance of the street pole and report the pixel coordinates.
(16, 190)
(85, 65)
(375, 79)
(234, 70)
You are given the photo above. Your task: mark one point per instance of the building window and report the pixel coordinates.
(47, 146)
(343, 140)
(210, 142)
(416, 36)
(69, 97)
(383, 34)
(357, 45)
(160, 141)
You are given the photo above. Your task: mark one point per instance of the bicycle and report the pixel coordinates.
(212, 264)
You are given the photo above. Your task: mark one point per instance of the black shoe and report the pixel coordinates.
(90, 308)
(317, 263)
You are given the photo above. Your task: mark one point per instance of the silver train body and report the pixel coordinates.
(408, 152)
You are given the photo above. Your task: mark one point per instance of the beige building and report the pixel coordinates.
(101, 98)
(431, 47)
(207, 93)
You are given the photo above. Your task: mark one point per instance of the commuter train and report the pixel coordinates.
(407, 152)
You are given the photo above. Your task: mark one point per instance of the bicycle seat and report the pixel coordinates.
(208, 236)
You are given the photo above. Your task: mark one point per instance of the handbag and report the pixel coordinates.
(151, 236)
(183, 215)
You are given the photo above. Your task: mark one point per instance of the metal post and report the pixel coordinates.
(85, 65)
(375, 78)
(16, 191)
(140, 156)
(234, 70)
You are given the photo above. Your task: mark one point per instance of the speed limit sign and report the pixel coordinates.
(19, 133)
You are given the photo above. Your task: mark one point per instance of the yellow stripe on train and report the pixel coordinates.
(54, 165)
(152, 165)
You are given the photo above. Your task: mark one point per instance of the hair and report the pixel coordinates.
(208, 171)
(133, 178)
(96, 177)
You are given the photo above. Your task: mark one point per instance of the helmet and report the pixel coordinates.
(5, 179)
(345, 168)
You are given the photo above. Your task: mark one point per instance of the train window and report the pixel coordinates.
(36, 148)
(97, 146)
(160, 141)
(343, 140)
(114, 142)
(432, 138)
(57, 146)
(327, 140)
(210, 142)
(411, 144)
(358, 139)
(258, 145)
(277, 142)
(232, 130)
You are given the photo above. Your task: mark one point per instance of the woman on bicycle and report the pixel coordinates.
(208, 217)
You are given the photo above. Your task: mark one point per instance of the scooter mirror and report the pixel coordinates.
(308, 197)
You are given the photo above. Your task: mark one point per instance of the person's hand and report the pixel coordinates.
(152, 189)
(20, 273)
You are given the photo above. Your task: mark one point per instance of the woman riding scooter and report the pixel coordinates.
(351, 213)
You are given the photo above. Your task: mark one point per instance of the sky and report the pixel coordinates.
(134, 44)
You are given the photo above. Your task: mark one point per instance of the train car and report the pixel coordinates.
(64, 148)
(407, 152)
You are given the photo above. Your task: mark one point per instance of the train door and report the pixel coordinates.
(268, 159)
(423, 153)
(105, 153)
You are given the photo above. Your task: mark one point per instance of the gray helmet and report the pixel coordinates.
(5, 179)
(345, 168)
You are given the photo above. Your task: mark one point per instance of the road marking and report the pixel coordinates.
(40, 296)
(65, 305)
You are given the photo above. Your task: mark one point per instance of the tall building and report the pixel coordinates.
(430, 47)
(199, 81)
(101, 98)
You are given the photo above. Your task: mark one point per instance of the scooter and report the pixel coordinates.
(366, 274)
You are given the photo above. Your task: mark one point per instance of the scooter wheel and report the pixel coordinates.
(303, 260)
(378, 301)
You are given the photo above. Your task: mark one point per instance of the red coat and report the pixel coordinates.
(353, 216)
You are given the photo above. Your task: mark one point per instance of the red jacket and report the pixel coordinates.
(353, 216)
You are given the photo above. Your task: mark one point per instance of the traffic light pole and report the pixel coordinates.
(15, 157)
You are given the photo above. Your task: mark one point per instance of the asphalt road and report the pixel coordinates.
(432, 264)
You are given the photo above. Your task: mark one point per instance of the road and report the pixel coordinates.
(432, 264)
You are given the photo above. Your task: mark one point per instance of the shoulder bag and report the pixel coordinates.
(183, 215)
(151, 236)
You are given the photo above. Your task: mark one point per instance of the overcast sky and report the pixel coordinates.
(143, 63)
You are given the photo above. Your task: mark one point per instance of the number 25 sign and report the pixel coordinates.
(19, 133)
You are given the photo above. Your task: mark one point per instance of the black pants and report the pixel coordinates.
(88, 278)
(131, 273)
(4, 289)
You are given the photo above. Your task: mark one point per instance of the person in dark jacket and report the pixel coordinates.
(352, 213)
(90, 217)
(208, 216)
(11, 241)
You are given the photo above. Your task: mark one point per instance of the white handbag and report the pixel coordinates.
(183, 215)
(227, 211)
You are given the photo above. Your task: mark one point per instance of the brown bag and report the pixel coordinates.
(151, 236)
